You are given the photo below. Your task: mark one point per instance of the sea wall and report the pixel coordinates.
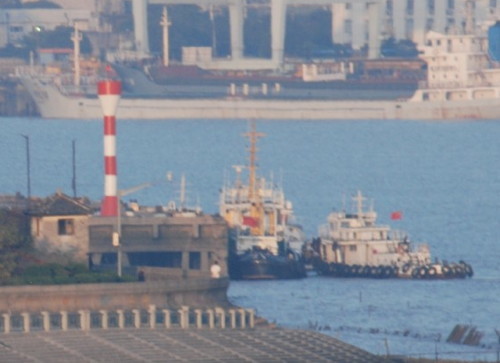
(171, 294)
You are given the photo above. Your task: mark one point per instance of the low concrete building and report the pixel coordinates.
(184, 244)
(59, 226)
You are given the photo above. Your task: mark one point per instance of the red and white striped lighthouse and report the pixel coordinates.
(109, 92)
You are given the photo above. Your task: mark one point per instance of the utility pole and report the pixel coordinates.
(73, 180)
(28, 167)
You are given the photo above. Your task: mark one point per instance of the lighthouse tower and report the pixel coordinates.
(109, 92)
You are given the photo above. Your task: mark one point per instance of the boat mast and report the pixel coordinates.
(76, 37)
(359, 201)
(256, 209)
(165, 24)
(253, 137)
(183, 192)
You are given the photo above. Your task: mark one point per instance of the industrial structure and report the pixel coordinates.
(358, 23)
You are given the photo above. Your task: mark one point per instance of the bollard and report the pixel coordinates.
(137, 318)
(222, 317)
(211, 318)
(184, 317)
(26, 322)
(152, 316)
(199, 321)
(167, 321)
(264, 88)
(6, 322)
(243, 320)
(232, 318)
(64, 320)
(104, 319)
(121, 318)
(83, 319)
(251, 318)
(45, 320)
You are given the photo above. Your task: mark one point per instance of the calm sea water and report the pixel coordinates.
(444, 177)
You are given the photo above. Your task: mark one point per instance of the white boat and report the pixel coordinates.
(462, 83)
(353, 245)
(264, 243)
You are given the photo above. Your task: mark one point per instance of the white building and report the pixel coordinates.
(407, 19)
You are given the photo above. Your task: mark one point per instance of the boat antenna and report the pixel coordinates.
(238, 169)
(281, 179)
(183, 192)
(359, 201)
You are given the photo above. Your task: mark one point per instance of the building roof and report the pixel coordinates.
(60, 204)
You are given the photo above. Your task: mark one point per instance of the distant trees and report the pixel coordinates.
(15, 241)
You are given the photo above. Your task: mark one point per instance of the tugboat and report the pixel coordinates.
(353, 245)
(264, 243)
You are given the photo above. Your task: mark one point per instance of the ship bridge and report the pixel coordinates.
(278, 25)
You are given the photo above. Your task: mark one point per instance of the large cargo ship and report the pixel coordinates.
(462, 83)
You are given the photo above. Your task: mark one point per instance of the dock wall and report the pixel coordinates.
(170, 294)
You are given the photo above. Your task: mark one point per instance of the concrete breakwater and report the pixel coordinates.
(168, 294)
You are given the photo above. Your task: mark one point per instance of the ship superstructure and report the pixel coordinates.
(264, 243)
(354, 245)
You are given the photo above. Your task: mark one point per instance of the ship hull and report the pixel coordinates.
(271, 268)
(54, 104)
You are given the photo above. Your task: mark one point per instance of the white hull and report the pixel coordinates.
(53, 104)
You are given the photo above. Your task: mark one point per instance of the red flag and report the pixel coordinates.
(250, 221)
(396, 215)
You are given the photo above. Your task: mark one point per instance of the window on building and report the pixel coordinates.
(431, 6)
(66, 227)
(388, 7)
(348, 26)
(158, 259)
(16, 29)
(429, 24)
(410, 7)
(353, 248)
(195, 260)
(409, 28)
